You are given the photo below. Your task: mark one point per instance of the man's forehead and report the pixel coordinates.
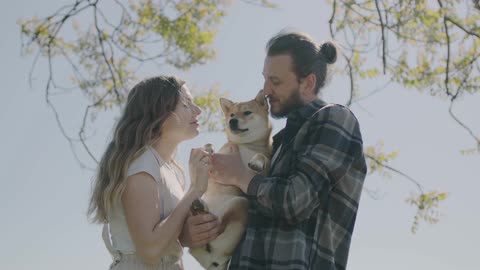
(277, 64)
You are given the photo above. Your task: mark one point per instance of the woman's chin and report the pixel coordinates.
(194, 133)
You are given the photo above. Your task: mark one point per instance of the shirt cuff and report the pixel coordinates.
(253, 186)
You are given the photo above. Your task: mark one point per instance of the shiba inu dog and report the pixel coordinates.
(248, 126)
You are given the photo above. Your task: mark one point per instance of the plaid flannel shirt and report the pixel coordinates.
(302, 215)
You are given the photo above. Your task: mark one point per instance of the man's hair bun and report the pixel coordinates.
(328, 51)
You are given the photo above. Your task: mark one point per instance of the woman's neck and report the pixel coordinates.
(165, 148)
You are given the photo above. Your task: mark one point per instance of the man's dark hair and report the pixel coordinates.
(308, 57)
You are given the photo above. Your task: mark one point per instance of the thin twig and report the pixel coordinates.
(461, 27)
(100, 40)
(81, 132)
(32, 68)
(417, 183)
(447, 68)
(330, 22)
(384, 45)
(352, 85)
(373, 92)
(469, 130)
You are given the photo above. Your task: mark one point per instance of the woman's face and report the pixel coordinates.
(182, 124)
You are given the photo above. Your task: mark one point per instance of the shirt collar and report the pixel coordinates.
(296, 119)
(306, 111)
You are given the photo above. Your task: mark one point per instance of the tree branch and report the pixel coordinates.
(109, 66)
(476, 4)
(453, 99)
(447, 68)
(330, 22)
(82, 131)
(375, 91)
(263, 3)
(352, 84)
(469, 130)
(415, 182)
(383, 37)
(461, 27)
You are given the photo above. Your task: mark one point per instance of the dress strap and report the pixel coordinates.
(116, 255)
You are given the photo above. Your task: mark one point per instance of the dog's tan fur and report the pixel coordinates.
(228, 202)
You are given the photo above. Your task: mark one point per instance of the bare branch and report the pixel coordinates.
(82, 131)
(461, 27)
(57, 116)
(375, 91)
(372, 193)
(447, 68)
(57, 28)
(32, 68)
(415, 182)
(383, 37)
(330, 22)
(352, 84)
(469, 130)
(100, 40)
(476, 4)
(450, 110)
(124, 9)
(262, 3)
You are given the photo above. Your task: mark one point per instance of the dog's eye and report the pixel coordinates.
(247, 113)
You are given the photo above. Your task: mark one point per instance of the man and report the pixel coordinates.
(302, 214)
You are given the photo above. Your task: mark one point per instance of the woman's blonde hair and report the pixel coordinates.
(148, 105)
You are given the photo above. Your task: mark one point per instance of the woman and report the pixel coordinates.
(139, 192)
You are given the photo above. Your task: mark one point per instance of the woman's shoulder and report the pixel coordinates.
(147, 162)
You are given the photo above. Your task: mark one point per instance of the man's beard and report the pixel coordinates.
(293, 102)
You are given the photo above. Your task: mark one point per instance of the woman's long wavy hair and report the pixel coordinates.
(148, 105)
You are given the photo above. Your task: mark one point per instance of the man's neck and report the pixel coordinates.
(308, 100)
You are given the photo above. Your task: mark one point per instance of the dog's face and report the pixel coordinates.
(248, 121)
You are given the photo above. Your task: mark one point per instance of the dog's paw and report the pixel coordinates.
(216, 266)
(209, 148)
(198, 207)
(258, 163)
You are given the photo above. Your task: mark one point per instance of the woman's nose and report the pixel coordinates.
(197, 110)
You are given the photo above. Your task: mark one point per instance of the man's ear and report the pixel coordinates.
(307, 85)
(260, 98)
(226, 104)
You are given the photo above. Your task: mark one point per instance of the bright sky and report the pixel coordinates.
(44, 191)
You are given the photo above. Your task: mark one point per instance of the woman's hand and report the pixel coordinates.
(199, 165)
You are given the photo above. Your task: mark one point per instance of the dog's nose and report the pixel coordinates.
(233, 123)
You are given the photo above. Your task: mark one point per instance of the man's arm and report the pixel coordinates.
(331, 145)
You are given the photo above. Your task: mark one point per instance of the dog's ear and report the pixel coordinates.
(260, 98)
(226, 104)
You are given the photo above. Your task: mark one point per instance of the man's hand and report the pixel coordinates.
(199, 230)
(228, 169)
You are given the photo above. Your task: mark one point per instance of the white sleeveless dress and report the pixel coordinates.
(115, 234)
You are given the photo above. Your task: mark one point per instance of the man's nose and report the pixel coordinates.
(267, 89)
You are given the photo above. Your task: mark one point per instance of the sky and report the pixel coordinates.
(45, 192)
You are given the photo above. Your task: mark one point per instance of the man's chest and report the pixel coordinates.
(284, 160)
